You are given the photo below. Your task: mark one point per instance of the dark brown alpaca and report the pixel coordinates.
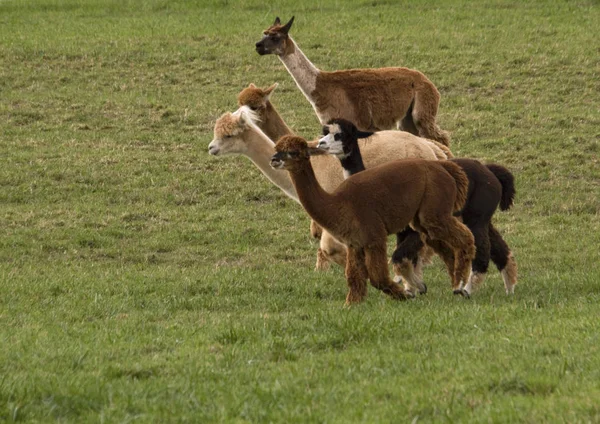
(383, 200)
(374, 99)
(490, 186)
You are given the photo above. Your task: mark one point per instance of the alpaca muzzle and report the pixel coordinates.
(276, 161)
(213, 149)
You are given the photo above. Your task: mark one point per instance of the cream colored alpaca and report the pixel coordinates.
(258, 100)
(372, 99)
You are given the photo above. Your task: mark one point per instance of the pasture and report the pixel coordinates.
(142, 280)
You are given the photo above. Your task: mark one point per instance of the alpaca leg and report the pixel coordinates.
(379, 274)
(482, 254)
(315, 230)
(455, 235)
(446, 253)
(323, 262)
(356, 276)
(407, 124)
(424, 113)
(412, 280)
(407, 262)
(503, 259)
(332, 249)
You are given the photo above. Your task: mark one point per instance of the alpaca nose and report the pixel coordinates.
(259, 44)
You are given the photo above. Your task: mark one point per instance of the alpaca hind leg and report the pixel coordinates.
(447, 254)
(456, 236)
(407, 124)
(379, 274)
(356, 276)
(424, 113)
(323, 262)
(481, 261)
(503, 259)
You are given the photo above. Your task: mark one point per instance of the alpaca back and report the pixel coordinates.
(507, 180)
(462, 183)
(380, 148)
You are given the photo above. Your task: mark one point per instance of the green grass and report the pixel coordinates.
(143, 280)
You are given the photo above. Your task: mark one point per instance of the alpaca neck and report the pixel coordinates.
(319, 204)
(352, 164)
(302, 70)
(260, 153)
(274, 126)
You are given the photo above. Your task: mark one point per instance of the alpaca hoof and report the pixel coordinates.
(463, 293)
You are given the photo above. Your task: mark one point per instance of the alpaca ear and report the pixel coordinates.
(269, 90)
(363, 134)
(314, 151)
(242, 120)
(277, 21)
(287, 26)
(252, 85)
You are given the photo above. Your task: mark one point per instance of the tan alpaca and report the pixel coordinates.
(238, 133)
(258, 100)
(372, 204)
(373, 99)
(380, 148)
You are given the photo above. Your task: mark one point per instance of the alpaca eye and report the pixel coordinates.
(337, 137)
(253, 108)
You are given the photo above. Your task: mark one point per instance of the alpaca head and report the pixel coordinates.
(256, 99)
(292, 152)
(275, 38)
(229, 130)
(340, 138)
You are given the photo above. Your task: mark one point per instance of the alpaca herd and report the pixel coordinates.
(380, 166)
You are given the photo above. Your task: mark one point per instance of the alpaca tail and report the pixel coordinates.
(445, 150)
(462, 183)
(441, 136)
(507, 180)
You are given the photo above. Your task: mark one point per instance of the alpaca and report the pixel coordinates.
(269, 120)
(489, 186)
(425, 193)
(374, 99)
(239, 133)
(383, 147)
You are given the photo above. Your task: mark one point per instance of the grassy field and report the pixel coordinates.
(143, 281)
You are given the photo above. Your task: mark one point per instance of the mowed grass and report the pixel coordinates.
(142, 280)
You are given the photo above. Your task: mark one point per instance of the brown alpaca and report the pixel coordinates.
(373, 99)
(383, 200)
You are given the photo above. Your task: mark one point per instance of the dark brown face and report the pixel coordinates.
(273, 43)
(274, 40)
(284, 160)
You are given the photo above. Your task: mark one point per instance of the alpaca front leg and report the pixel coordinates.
(356, 276)
(407, 261)
(412, 282)
(379, 274)
(332, 249)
